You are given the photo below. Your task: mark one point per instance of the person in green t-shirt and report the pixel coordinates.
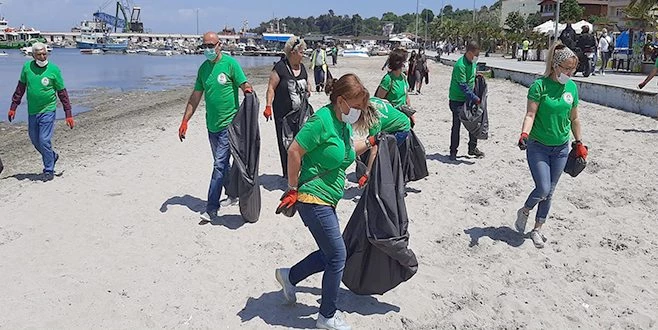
(551, 116)
(43, 83)
(219, 78)
(394, 86)
(461, 91)
(317, 159)
(652, 74)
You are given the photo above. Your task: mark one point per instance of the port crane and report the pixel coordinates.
(126, 24)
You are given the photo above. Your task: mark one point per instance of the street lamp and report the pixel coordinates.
(557, 20)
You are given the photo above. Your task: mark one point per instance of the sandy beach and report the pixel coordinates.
(115, 241)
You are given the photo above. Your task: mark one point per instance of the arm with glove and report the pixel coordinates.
(361, 147)
(528, 121)
(66, 103)
(581, 149)
(289, 198)
(192, 104)
(465, 88)
(271, 87)
(16, 100)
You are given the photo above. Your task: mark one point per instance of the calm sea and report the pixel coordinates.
(86, 73)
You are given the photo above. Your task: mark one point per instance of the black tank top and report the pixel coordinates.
(287, 94)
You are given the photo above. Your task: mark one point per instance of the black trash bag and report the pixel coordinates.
(414, 159)
(376, 237)
(575, 164)
(475, 117)
(294, 120)
(409, 111)
(244, 140)
(2, 167)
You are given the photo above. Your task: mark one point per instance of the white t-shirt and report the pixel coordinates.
(604, 44)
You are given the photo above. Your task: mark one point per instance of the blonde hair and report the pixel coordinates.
(292, 44)
(550, 60)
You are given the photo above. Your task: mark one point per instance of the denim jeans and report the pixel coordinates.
(546, 166)
(401, 137)
(605, 57)
(322, 222)
(221, 153)
(319, 78)
(455, 107)
(40, 129)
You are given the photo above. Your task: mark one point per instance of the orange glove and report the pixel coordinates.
(363, 180)
(11, 115)
(371, 141)
(70, 122)
(268, 112)
(182, 130)
(287, 201)
(581, 149)
(523, 141)
(248, 90)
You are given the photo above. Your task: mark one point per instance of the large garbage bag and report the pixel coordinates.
(475, 117)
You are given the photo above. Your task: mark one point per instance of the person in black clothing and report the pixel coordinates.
(411, 72)
(586, 40)
(568, 36)
(288, 84)
(420, 69)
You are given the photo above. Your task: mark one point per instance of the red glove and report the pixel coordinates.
(372, 141)
(70, 122)
(268, 112)
(523, 141)
(11, 115)
(182, 130)
(248, 90)
(287, 201)
(363, 180)
(581, 149)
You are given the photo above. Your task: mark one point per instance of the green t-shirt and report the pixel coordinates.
(396, 88)
(329, 151)
(220, 82)
(552, 124)
(391, 120)
(462, 72)
(42, 87)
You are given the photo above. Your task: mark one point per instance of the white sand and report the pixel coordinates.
(96, 248)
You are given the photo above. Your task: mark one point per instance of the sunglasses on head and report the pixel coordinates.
(208, 46)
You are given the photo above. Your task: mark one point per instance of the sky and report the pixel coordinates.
(179, 16)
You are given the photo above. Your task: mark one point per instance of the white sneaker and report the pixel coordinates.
(289, 290)
(335, 323)
(537, 238)
(229, 202)
(521, 220)
(205, 216)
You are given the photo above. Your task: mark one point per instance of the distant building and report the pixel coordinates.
(616, 13)
(524, 7)
(592, 8)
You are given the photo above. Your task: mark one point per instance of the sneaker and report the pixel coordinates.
(208, 216)
(476, 152)
(537, 238)
(229, 201)
(335, 323)
(521, 220)
(48, 176)
(289, 290)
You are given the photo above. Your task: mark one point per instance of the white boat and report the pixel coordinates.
(91, 51)
(27, 51)
(15, 38)
(3, 54)
(360, 52)
(161, 53)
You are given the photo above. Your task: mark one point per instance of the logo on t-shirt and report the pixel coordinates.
(221, 79)
(45, 81)
(568, 97)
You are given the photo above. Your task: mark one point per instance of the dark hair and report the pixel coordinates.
(472, 47)
(585, 29)
(329, 86)
(396, 59)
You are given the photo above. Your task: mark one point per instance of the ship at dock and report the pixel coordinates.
(95, 35)
(17, 38)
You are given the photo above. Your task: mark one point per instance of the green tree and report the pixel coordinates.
(571, 11)
(533, 20)
(515, 28)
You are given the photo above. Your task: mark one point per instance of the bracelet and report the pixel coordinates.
(291, 187)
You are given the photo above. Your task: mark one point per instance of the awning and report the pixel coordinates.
(278, 37)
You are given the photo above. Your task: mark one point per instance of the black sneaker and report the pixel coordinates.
(48, 176)
(476, 152)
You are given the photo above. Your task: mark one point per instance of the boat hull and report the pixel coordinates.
(111, 46)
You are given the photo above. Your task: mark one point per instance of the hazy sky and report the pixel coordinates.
(179, 16)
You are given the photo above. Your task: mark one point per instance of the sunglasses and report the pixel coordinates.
(208, 46)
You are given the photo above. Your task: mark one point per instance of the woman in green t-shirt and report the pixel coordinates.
(394, 86)
(551, 116)
(317, 160)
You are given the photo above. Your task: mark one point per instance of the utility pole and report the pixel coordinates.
(473, 11)
(557, 20)
(197, 21)
(426, 24)
(416, 38)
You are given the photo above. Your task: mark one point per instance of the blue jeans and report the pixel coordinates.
(546, 166)
(322, 221)
(40, 128)
(319, 78)
(401, 137)
(221, 153)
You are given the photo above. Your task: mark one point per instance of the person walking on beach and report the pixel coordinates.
(43, 83)
(604, 44)
(334, 54)
(219, 78)
(317, 161)
(461, 90)
(526, 48)
(420, 69)
(288, 85)
(411, 72)
(652, 74)
(394, 86)
(319, 67)
(551, 116)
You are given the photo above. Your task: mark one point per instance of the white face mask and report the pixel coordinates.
(41, 64)
(352, 116)
(563, 79)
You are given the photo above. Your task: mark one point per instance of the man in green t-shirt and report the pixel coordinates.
(650, 76)
(43, 83)
(461, 91)
(219, 77)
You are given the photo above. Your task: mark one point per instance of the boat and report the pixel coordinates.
(2, 53)
(94, 35)
(90, 51)
(161, 52)
(27, 51)
(357, 52)
(16, 38)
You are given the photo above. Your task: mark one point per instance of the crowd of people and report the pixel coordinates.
(315, 161)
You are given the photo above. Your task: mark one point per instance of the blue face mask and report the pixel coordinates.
(210, 54)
